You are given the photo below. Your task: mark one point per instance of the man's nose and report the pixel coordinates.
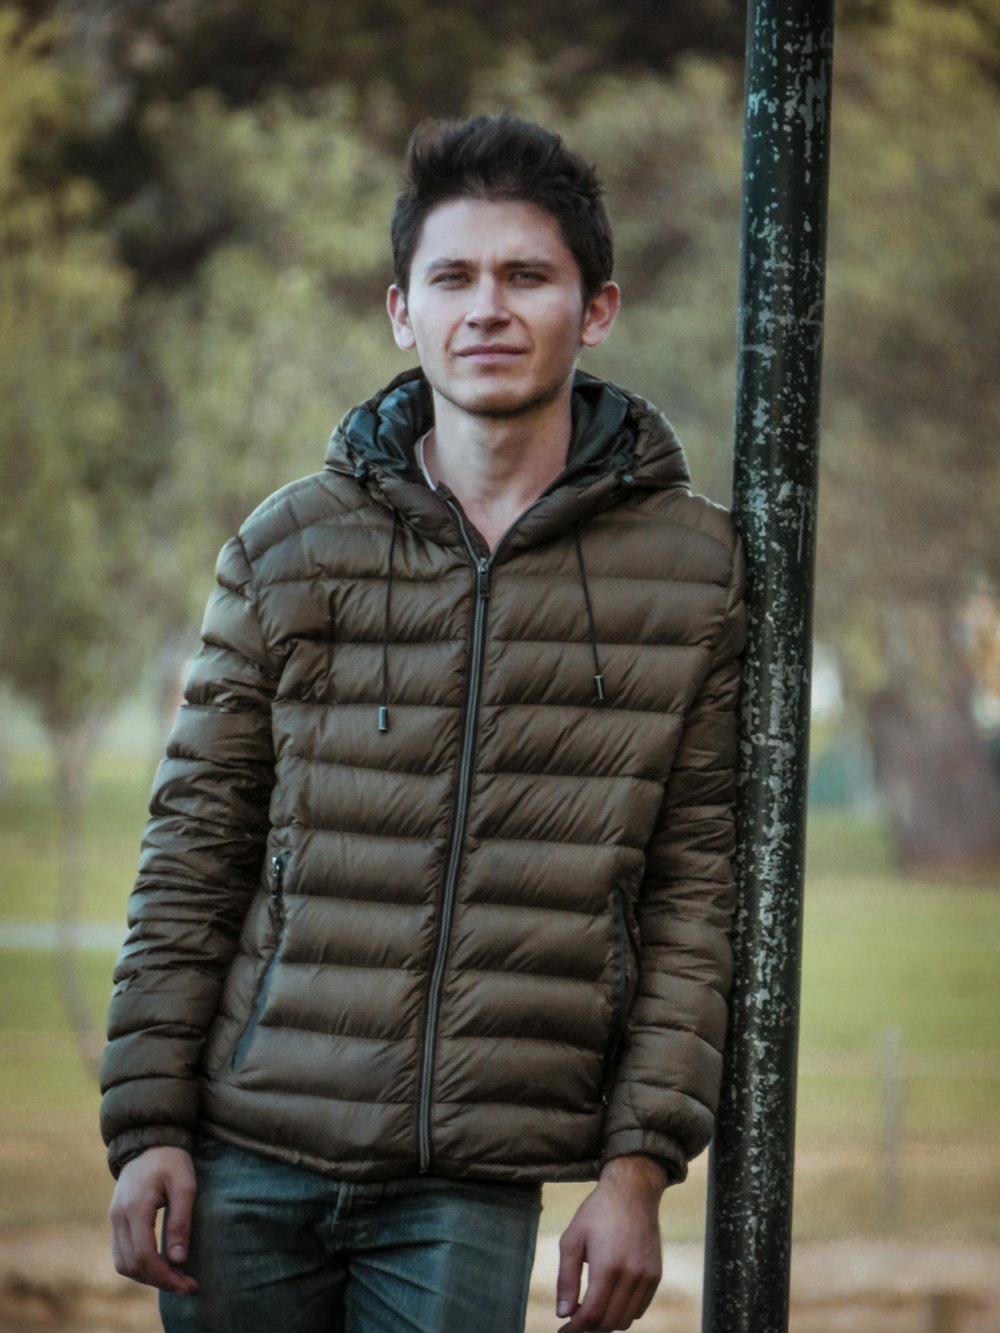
(488, 306)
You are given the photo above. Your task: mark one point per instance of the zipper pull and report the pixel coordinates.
(277, 876)
(483, 577)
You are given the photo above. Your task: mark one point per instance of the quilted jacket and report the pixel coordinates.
(437, 875)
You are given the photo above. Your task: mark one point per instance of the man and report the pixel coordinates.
(434, 900)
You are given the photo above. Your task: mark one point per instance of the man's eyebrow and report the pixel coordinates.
(436, 265)
(530, 263)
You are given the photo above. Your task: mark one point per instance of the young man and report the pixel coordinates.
(434, 900)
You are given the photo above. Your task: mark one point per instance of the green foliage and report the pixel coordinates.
(423, 54)
(40, 101)
(301, 182)
(69, 545)
(67, 539)
(912, 481)
(283, 327)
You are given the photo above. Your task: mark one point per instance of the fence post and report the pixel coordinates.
(786, 153)
(891, 1101)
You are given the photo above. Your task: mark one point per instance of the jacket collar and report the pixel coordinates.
(619, 442)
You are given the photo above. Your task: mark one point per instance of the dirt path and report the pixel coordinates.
(60, 1280)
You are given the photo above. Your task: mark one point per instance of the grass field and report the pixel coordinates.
(881, 954)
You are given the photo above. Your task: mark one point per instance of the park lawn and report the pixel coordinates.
(880, 954)
(921, 958)
(114, 814)
(884, 956)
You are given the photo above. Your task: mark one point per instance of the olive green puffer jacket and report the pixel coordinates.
(437, 876)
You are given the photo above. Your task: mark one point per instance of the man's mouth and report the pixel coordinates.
(489, 351)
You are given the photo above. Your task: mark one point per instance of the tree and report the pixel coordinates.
(912, 477)
(71, 614)
(281, 329)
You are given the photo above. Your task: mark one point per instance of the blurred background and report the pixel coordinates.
(193, 258)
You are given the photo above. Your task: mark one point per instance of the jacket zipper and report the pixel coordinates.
(464, 793)
(277, 904)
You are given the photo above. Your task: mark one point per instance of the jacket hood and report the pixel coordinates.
(619, 441)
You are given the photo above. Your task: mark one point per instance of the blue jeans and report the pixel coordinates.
(277, 1247)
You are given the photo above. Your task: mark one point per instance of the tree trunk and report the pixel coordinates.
(172, 661)
(73, 747)
(4, 745)
(936, 775)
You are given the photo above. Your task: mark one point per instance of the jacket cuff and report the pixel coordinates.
(662, 1148)
(128, 1145)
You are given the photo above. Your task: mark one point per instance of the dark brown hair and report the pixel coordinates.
(502, 158)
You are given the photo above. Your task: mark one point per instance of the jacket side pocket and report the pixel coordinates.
(243, 1041)
(624, 964)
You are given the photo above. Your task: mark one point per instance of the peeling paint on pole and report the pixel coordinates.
(786, 152)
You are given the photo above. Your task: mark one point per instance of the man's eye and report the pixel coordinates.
(528, 275)
(449, 279)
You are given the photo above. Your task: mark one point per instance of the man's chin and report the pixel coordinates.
(507, 405)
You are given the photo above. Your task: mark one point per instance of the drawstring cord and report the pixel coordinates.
(383, 712)
(598, 675)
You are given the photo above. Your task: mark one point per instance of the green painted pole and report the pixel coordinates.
(786, 154)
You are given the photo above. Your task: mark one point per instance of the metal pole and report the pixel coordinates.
(786, 151)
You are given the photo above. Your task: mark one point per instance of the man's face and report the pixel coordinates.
(495, 307)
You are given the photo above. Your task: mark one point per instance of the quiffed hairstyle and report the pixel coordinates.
(502, 158)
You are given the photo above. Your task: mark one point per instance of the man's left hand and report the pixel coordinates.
(616, 1232)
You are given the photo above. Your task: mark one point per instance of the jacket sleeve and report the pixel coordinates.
(665, 1091)
(199, 867)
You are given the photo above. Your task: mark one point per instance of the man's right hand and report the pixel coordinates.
(158, 1178)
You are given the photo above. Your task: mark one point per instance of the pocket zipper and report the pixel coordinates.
(622, 944)
(277, 904)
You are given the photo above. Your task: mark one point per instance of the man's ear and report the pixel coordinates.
(395, 303)
(600, 314)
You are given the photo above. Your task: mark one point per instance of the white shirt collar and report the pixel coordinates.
(421, 463)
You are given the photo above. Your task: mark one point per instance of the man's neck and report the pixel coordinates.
(498, 467)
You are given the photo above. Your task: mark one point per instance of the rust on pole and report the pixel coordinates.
(785, 166)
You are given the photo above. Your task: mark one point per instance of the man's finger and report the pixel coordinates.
(570, 1274)
(617, 1311)
(177, 1222)
(651, 1287)
(591, 1312)
(121, 1246)
(612, 1304)
(152, 1268)
(629, 1300)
